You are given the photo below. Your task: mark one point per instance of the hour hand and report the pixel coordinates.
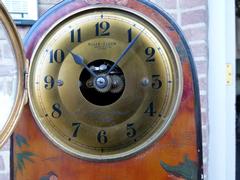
(79, 60)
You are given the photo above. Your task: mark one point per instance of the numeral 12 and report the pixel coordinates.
(102, 29)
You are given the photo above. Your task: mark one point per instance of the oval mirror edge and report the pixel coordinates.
(20, 99)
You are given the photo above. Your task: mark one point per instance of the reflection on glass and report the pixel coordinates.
(8, 76)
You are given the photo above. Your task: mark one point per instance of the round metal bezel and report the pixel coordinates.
(157, 134)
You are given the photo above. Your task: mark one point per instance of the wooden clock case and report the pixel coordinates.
(175, 155)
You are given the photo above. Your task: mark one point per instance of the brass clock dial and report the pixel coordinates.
(104, 83)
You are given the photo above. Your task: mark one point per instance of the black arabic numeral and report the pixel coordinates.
(49, 82)
(102, 29)
(156, 82)
(76, 126)
(102, 137)
(131, 132)
(57, 56)
(56, 111)
(75, 35)
(151, 110)
(150, 53)
(130, 35)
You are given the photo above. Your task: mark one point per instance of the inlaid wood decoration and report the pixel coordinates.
(112, 95)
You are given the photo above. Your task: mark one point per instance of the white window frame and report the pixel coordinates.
(222, 51)
(23, 12)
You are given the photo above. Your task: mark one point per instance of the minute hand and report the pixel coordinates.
(124, 52)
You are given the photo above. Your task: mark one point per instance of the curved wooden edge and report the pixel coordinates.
(195, 80)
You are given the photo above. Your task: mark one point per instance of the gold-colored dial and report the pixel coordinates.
(104, 83)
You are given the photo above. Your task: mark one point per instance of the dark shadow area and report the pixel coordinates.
(238, 137)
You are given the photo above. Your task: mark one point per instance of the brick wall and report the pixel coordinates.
(192, 17)
(4, 162)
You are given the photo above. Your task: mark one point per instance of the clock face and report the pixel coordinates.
(104, 83)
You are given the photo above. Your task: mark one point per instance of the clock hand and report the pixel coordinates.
(125, 52)
(79, 60)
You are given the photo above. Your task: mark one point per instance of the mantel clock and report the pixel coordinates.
(108, 91)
